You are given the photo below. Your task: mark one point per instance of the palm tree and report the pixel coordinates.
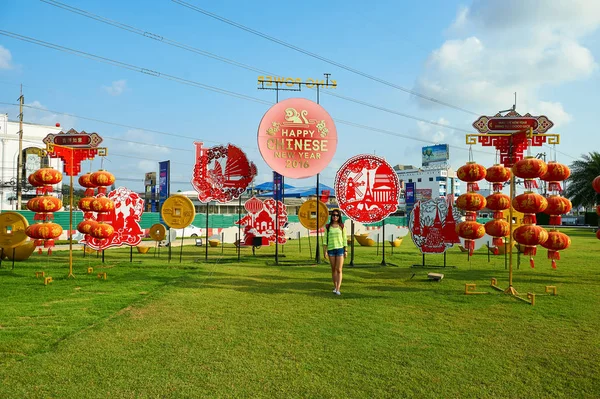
(583, 172)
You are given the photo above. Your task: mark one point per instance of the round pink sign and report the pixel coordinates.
(297, 138)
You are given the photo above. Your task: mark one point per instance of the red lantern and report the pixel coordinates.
(497, 175)
(497, 228)
(471, 173)
(556, 173)
(32, 231)
(102, 204)
(557, 206)
(33, 181)
(102, 179)
(48, 203)
(48, 231)
(48, 176)
(102, 231)
(32, 204)
(596, 184)
(529, 203)
(556, 241)
(498, 202)
(84, 181)
(471, 202)
(529, 168)
(470, 231)
(86, 226)
(85, 204)
(530, 236)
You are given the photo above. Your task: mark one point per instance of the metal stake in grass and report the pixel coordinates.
(181, 249)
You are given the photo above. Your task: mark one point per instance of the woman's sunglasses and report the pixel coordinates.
(335, 214)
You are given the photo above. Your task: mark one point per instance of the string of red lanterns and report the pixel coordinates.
(529, 235)
(44, 205)
(471, 202)
(497, 202)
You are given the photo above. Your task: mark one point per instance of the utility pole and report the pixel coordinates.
(20, 154)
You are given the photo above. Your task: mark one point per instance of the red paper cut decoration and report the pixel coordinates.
(124, 218)
(260, 221)
(432, 224)
(366, 188)
(222, 173)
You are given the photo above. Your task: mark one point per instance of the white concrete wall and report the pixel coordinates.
(9, 147)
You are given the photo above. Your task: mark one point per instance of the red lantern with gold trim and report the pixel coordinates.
(47, 203)
(556, 173)
(86, 226)
(497, 228)
(529, 204)
(498, 202)
(471, 173)
(85, 181)
(530, 236)
(470, 231)
(556, 241)
(85, 204)
(33, 181)
(102, 204)
(529, 168)
(102, 231)
(557, 206)
(48, 176)
(49, 231)
(102, 179)
(497, 174)
(471, 201)
(596, 184)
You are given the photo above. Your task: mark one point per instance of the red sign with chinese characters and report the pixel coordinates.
(72, 138)
(73, 147)
(297, 138)
(222, 173)
(512, 122)
(367, 188)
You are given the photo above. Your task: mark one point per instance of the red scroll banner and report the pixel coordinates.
(366, 188)
(297, 138)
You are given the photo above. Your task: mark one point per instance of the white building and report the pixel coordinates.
(430, 181)
(33, 159)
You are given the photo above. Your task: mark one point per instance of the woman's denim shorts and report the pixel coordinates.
(336, 252)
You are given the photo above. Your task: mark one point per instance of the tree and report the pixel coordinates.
(579, 188)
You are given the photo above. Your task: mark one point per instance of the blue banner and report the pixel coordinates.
(277, 186)
(164, 183)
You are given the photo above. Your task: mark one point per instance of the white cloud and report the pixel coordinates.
(147, 166)
(434, 133)
(39, 114)
(117, 87)
(503, 47)
(5, 58)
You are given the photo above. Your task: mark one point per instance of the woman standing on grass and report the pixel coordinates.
(335, 248)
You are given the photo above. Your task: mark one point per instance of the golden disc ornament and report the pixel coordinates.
(178, 211)
(12, 229)
(158, 232)
(307, 214)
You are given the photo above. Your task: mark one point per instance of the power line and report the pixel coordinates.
(131, 67)
(321, 58)
(186, 47)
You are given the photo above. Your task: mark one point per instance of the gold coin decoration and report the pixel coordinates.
(307, 214)
(178, 211)
(12, 229)
(158, 232)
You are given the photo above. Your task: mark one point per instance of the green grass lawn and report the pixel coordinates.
(219, 328)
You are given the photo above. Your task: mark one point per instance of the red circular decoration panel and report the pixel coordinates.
(366, 188)
(297, 138)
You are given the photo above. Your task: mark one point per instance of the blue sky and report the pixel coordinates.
(472, 55)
